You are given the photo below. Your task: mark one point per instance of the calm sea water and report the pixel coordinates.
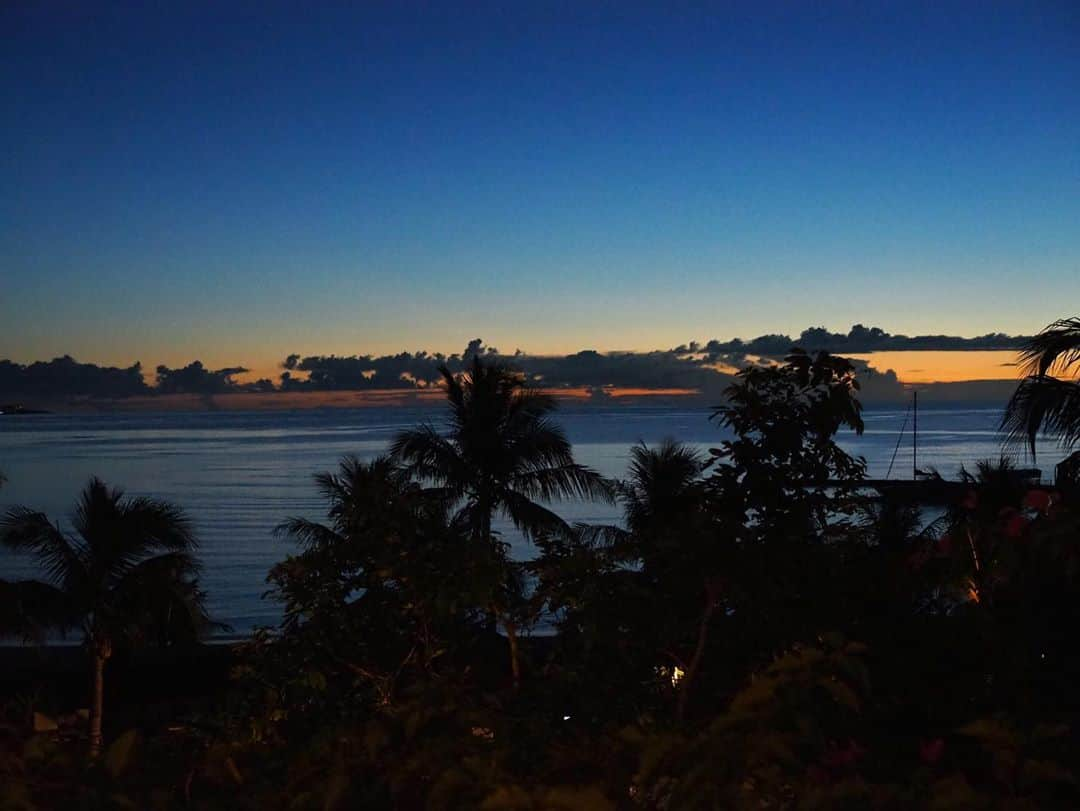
(239, 474)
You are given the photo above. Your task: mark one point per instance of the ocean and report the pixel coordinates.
(239, 474)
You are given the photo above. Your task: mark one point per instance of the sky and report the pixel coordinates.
(235, 182)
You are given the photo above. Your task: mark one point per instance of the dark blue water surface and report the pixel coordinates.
(241, 473)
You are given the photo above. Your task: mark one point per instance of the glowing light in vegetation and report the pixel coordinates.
(677, 676)
(973, 591)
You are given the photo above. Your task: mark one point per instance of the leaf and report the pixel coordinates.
(993, 734)
(507, 798)
(1045, 771)
(952, 794)
(120, 753)
(841, 693)
(15, 796)
(576, 798)
(335, 790)
(234, 772)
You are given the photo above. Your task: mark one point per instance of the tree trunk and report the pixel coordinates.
(515, 657)
(695, 662)
(97, 703)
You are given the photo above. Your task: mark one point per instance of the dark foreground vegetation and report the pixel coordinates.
(759, 632)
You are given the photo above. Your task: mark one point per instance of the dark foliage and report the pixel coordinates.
(1048, 399)
(760, 631)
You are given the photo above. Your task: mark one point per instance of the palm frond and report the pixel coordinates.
(602, 536)
(530, 404)
(455, 394)
(119, 532)
(569, 480)
(29, 608)
(309, 534)
(538, 442)
(429, 456)
(154, 524)
(28, 531)
(672, 464)
(159, 597)
(531, 518)
(1055, 349)
(96, 513)
(1044, 405)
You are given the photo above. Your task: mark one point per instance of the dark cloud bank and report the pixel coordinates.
(691, 366)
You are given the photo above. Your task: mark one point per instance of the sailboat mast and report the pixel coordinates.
(915, 435)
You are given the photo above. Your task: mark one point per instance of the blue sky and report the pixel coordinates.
(234, 185)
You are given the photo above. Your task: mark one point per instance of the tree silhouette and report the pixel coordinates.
(385, 587)
(1047, 400)
(126, 575)
(502, 454)
(675, 542)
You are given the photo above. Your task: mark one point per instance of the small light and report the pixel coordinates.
(676, 676)
(566, 717)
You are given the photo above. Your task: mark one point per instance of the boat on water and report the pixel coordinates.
(929, 487)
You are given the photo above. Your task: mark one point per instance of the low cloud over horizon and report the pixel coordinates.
(703, 368)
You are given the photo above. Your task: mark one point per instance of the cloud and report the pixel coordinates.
(705, 368)
(196, 379)
(859, 340)
(65, 377)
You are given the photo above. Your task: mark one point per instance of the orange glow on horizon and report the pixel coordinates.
(945, 367)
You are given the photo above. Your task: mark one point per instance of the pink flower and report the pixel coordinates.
(837, 757)
(1014, 527)
(931, 751)
(919, 556)
(1037, 500)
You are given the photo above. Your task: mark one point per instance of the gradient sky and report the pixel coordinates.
(238, 181)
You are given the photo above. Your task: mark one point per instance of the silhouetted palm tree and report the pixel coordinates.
(385, 582)
(127, 574)
(664, 488)
(1047, 400)
(502, 454)
(664, 506)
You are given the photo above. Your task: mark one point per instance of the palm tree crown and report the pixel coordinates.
(1047, 400)
(664, 486)
(502, 453)
(126, 574)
